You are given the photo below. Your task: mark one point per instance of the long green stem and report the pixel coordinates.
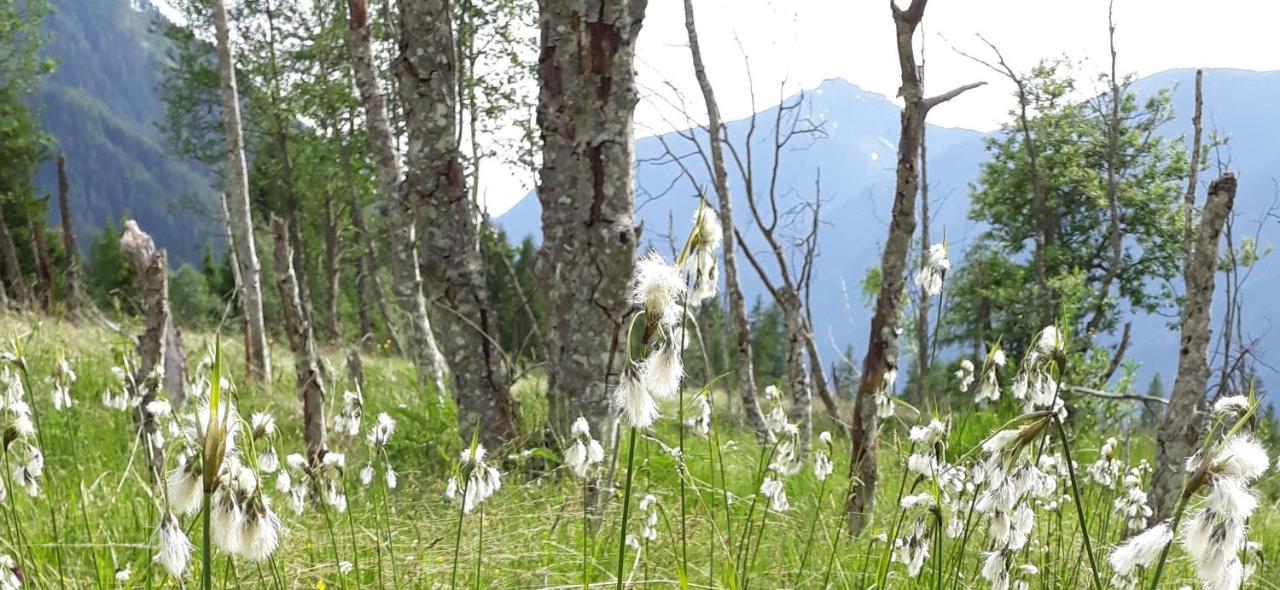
(1075, 491)
(206, 551)
(813, 526)
(626, 506)
(457, 540)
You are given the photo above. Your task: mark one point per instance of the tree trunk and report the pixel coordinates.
(922, 311)
(302, 342)
(1180, 432)
(450, 251)
(801, 411)
(744, 371)
(406, 277)
(160, 344)
(586, 104)
(44, 271)
(12, 269)
(72, 270)
(880, 365)
(241, 216)
(331, 270)
(1193, 175)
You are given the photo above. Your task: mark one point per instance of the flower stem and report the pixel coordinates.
(206, 551)
(1075, 491)
(626, 506)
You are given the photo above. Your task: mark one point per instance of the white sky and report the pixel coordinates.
(807, 41)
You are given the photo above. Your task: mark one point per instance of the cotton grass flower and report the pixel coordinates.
(634, 401)
(174, 549)
(9, 577)
(775, 491)
(584, 452)
(935, 267)
(657, 290)
(965, 375)
(475, 481)
(347, 421)
(649, 506)
(700, 261)
(663, 369)
(63, 378)
(1140, 550)
(380, 433)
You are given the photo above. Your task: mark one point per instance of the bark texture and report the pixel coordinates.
(450, 252)
(1183, 424)
(72, 270)
(744, 371)
(302, 341)
(160, 345)
(406, 276)
(801, 411)
(241, 217)
(586, 104)
(880, 365)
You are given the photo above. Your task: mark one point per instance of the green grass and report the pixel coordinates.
(98, 497)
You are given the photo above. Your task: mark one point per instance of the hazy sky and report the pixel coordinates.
(807, 41)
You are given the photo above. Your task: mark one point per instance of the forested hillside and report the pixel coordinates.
(102, 106)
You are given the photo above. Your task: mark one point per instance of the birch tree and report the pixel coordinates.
(436, 184)
(406, 276)
(302, 341)
(880, 365)
(586, 103)
(241, 215)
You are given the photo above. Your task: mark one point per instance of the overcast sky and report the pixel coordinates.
(807, 41)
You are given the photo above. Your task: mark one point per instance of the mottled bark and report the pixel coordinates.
(406, 277)
(12, 269)
(801, 411)
(1180, 432)
(306, 364)
(241, 217)
(881, 360)
(586, 103)
(44, 271)
(743, 369)
(450, 253)
(160, 344)
(72, 270)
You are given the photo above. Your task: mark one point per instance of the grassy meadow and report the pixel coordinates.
(94, 522)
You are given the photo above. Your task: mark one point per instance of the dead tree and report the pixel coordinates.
(72, 269)
(241, 216)
(1193, 175)
(406, 275)
(302, 341)
(586, 104)
(450, 251)
(12, 269)
(1183, 423)
(880, 365)
(161, 364)
(40, 250)
(745, 372)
